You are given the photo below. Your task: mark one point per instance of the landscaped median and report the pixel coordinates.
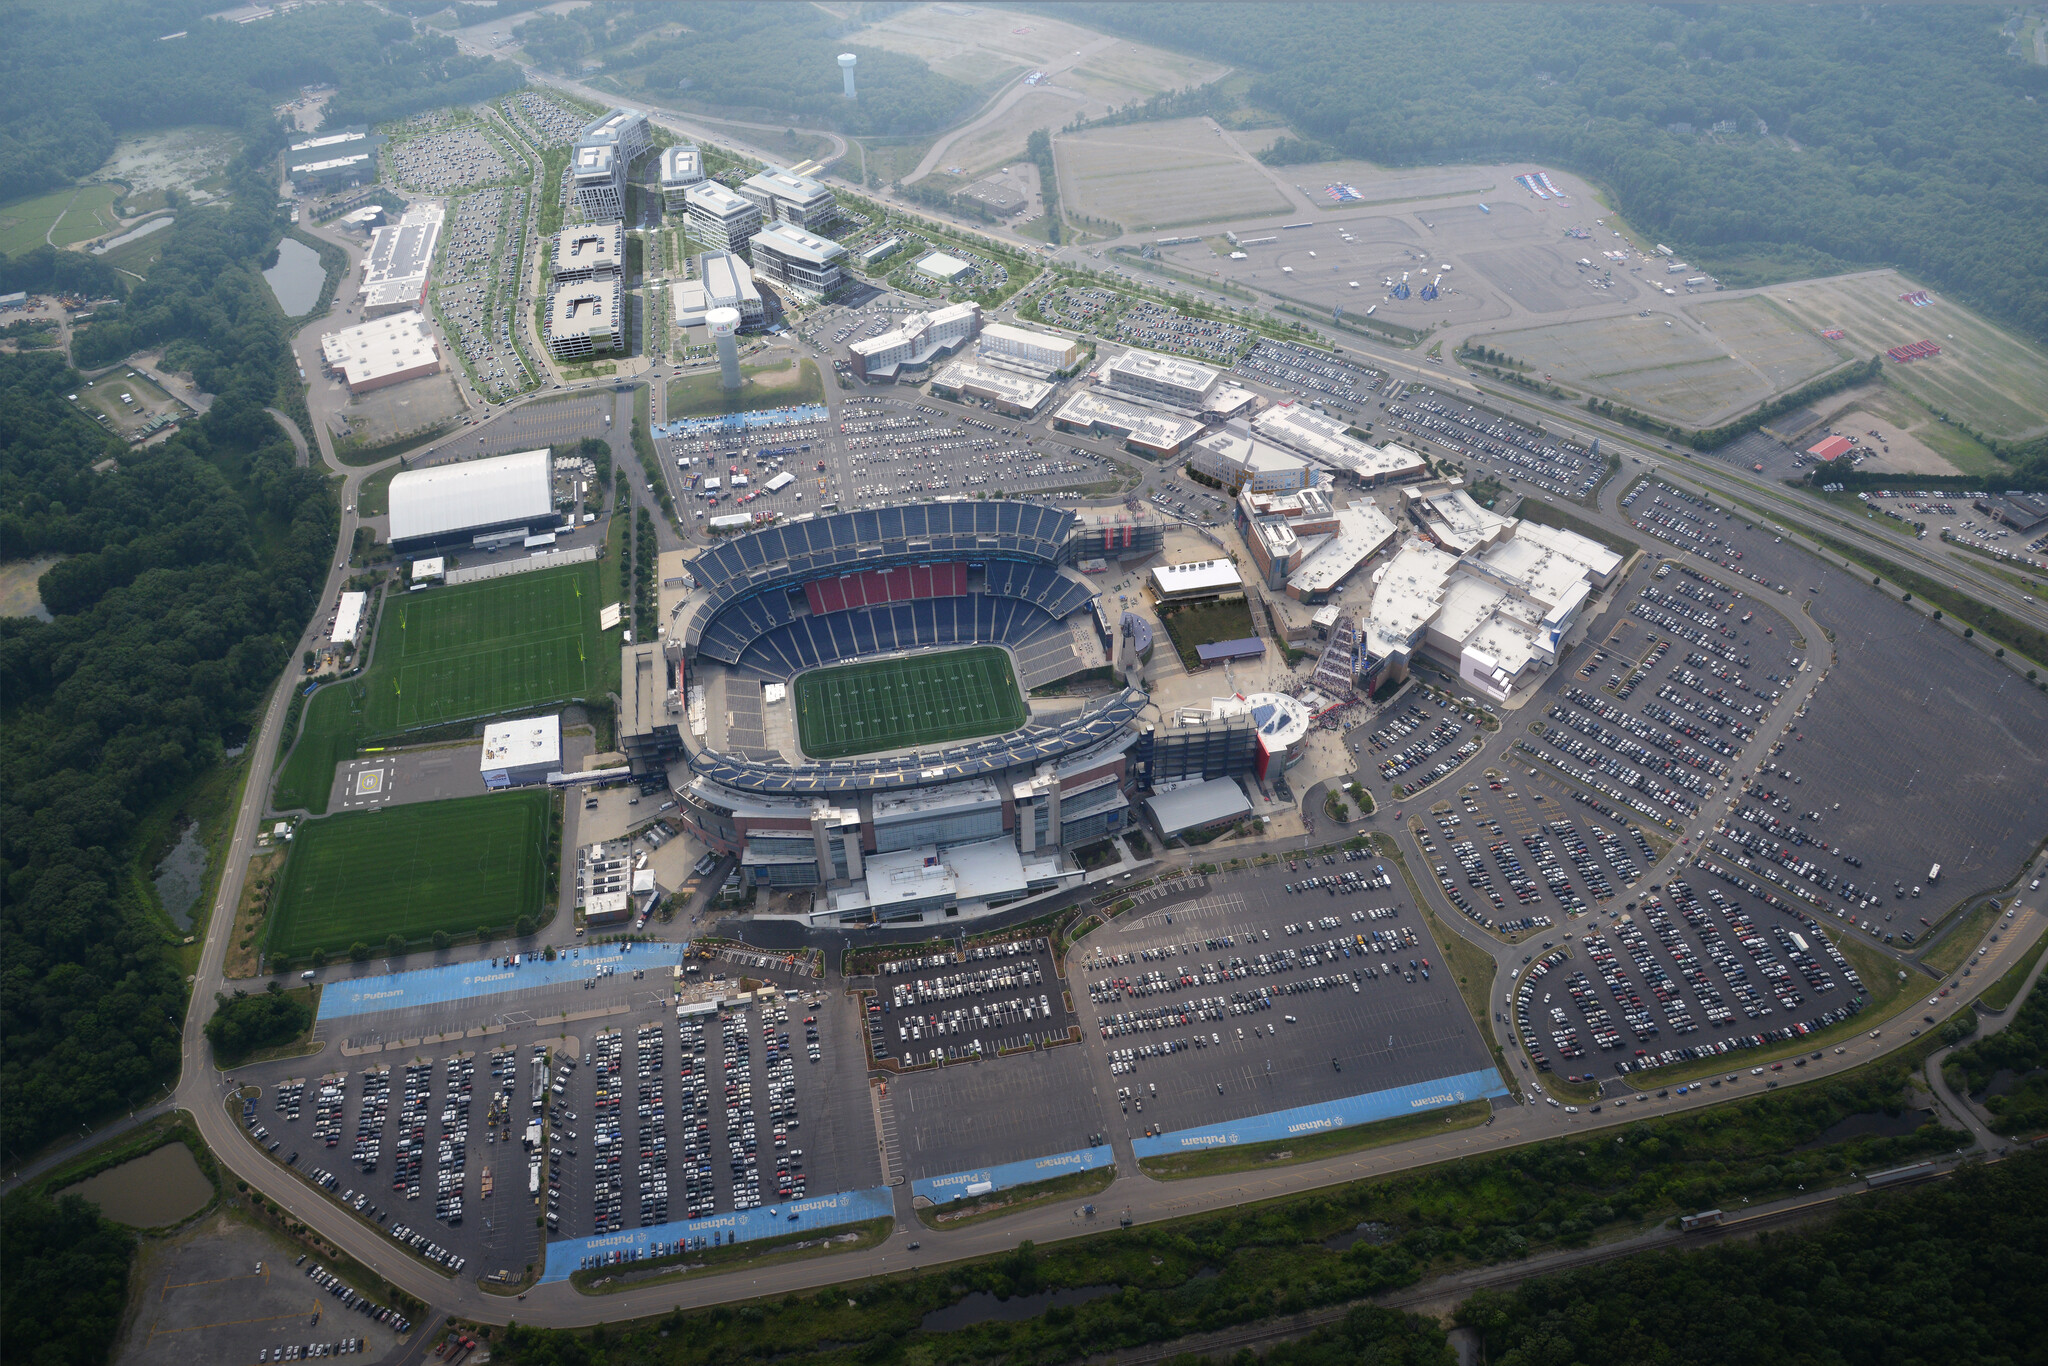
(962, 1198)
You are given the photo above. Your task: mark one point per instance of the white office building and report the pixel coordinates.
(1171, 380)
(722, 280)
(1042, 354)
(803, 262)
(719, 218)
(603, 154)
(787, 196)
(913, 344)
(681, 167)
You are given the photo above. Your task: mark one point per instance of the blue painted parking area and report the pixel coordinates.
(772, 1221)
(1334, 1114)
(955, 1185)
(467, 981)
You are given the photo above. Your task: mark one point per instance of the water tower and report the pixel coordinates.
(846, 65)
(725, 325)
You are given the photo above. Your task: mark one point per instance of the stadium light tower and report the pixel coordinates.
(846, 65)
(724, 324)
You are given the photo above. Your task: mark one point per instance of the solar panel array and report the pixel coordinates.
(1103, 721)
(869, 539)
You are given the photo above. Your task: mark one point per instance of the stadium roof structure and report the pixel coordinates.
(805, 547)
(1184, 806)
(449, 499)
(1097, 724)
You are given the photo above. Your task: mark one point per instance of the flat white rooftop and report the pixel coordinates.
(787, 239)
(993, 383)
(395, 344)
(1146, 426)
(1151, 368)
(941, 266)
(526, 743)
(1406, 593)
(1301, 428)
(1362, 532)
(1208, 576)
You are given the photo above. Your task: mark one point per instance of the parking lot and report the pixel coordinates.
(1248, 998)
(1518, 454)
(477, 288)
(1312, 374)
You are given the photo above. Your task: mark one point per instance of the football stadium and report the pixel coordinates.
(845, 702)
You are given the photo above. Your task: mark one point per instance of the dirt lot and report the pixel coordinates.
(1998, 383)
(977, 44)
(383, 414)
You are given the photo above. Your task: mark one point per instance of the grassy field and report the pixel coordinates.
(76, 214)
(1205, 624)
(903, 703)
(1983, 376)
(2005, 988)
(761, 386)
(1157, 175)
(1962, 941)
(453, 865)
(457, 654)
(1286, 1152)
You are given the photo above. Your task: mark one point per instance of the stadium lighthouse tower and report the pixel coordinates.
(847, 61)
(725, 325)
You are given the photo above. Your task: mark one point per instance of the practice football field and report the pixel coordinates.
(454, 654)
(931, 699)
(411, 870)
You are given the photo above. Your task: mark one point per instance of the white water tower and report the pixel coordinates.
(725, 325)
(846, 65)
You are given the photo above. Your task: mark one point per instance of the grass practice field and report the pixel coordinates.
(411, 870)
(903, 703)
(456, 654)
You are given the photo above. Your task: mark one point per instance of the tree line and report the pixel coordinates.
(1902, 135)
(2008, 1070)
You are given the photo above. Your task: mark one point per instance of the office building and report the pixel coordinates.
(908, 350)
(1100, 412)
(786, 196)
(723, 280)
(599, 162)
(1009, 393)
(1042, 354)
(586, 318)
(1304, 546)
(521, 752)
(1329, 443)
(719, 218)
(332, 161)
(681, 167)
(1235, 458)
(799, 260)
(383, 351)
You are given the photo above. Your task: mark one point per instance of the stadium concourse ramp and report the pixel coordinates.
(983, 1181)
(570, 1255)
(471, 981)
(1329, 1114)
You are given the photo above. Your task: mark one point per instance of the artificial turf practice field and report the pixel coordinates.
(412, 870)
(455, 654)
(930, 699)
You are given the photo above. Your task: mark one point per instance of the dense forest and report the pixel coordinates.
(74, 77)
(750, 59)
(2012, 1065)
(1763, 141)
(66, 1281)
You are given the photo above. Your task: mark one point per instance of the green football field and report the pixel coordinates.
(454, 865)
(904, 703)
(456, 654)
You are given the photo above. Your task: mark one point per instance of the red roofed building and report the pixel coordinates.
(1834, 448)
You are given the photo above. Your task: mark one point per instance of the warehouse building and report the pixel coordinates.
(1098, 412)
(785, 196)
(1042, 354)
(719, 218)
(599, 162)
(332, 161)
(947, 270)
(518, 753)
(589, 250)
(586, 318)
(798, 260)
(1008, 393)
(474, 503)
(681, 167)
(907, 350)
(396, 266)
(348, 620)
(381, 352)
(1329, 442)
(723, 280)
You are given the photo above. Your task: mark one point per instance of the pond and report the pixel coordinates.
(297, 277)
(181, 876)
(982, 1307)
(161, 1187)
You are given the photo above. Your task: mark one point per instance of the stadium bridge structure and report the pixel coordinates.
(941, 831)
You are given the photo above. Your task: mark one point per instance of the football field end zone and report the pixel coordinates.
(953, 1186)
(467, 981)
(1333, 1114)
(784, 1217)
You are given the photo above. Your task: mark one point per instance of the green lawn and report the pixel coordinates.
(85, 210)
(457, 654)
(412, 870)
(761, 386)
(903, 703)
(1205, 623)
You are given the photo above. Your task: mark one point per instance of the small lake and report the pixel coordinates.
(181, 877)
(296, 278)
(982, 1307)
(159, 1188)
